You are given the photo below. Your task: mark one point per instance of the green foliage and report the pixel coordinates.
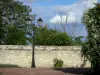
(46, 36)
(15, 15)
(15, 37)
(58, 63)
(91, 50)
(78, 40)
(9, 66)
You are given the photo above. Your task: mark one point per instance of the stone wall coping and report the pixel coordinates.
(40, 48)
(15, 47)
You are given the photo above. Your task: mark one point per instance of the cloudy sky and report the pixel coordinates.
(50, 11)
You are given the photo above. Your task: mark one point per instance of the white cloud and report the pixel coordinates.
(77, 10)
(58, 19)
(50, 13)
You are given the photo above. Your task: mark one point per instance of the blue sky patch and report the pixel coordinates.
(51, 10)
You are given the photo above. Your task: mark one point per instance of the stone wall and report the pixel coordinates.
(17, 55)
(22, 55)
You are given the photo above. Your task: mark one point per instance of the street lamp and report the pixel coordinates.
(39, 22)
(33, 45)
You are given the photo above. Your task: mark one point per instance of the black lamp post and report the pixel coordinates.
(33, 45)
(39, 22)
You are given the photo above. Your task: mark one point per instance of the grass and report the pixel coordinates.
(9, 66)
(1, 73)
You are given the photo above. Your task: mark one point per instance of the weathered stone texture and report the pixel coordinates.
(22, 55)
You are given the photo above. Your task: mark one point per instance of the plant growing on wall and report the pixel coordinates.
(91, 50)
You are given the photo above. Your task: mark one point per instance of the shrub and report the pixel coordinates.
(9, 66)
(58, 63)
(46, 36)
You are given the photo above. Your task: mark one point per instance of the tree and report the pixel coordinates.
(15, 37)
(64, 16)
(16, 23)
(2, 24)
(46, 36)
(79, 41)
(72, 29)
(14, 18)
(63, 13)
(91, 50)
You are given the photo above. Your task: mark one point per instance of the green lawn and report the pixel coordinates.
(9, 66)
